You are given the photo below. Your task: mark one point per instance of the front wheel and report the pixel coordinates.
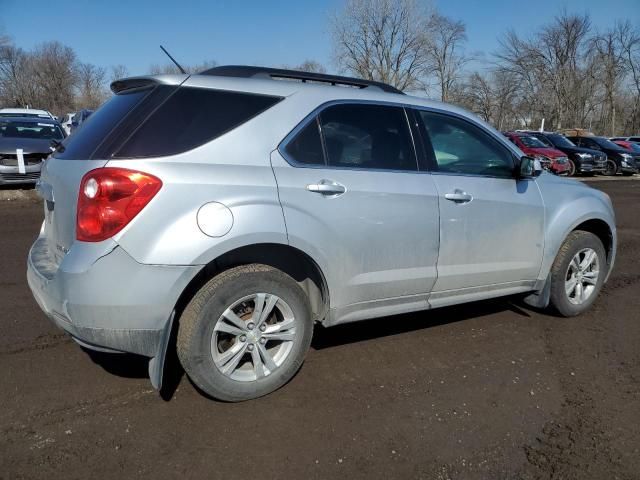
(245, 333)
(577, 273)
(572, 168)
(611, 168)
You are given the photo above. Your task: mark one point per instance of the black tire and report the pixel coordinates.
(572, 169)
(204, 311)
(576, 241)
(611, 168)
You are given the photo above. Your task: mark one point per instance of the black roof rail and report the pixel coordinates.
(244, 71)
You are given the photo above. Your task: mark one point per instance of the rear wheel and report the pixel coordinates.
(578, 273)
(611, 168)
(245, 333)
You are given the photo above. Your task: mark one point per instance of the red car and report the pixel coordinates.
(551, 159)
(626, 144)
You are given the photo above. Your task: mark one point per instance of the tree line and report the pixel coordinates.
(568, 72)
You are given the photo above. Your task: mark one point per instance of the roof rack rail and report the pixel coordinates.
(244, 71)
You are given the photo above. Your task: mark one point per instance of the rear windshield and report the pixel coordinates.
(561, 141)
(81, 144)
(32, 130)
(162, 121)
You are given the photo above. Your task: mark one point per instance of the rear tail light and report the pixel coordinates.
(109, 199)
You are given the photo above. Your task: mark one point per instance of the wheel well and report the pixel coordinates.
(601, 230)
(290, 260)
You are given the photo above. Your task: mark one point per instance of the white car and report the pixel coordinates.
(66, 122)
(25, 112)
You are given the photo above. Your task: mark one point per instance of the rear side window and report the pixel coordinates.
(306, 147)
(367, 136)
(191, 117)
(83, 142)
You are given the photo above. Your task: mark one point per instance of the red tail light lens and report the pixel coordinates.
(109, 199)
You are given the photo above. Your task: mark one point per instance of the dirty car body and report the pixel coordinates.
(362, 237)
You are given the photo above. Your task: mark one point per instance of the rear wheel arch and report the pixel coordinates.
(290, 260)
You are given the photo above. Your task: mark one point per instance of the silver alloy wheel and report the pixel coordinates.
(253, 337)
(582, 276)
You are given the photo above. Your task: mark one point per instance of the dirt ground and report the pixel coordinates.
(489, 390)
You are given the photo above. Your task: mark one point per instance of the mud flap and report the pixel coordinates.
(540, 298)
(156, 364)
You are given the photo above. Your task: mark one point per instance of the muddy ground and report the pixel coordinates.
(490, 390)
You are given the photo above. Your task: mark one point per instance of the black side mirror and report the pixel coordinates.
(529, 167)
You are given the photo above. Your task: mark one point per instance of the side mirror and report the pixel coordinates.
(529, 167)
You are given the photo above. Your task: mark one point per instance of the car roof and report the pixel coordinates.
(50, 121)
(31, 111)
(286, 87)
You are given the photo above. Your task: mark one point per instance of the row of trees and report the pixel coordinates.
(567, 73)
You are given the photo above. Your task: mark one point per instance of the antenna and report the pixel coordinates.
(172, 59)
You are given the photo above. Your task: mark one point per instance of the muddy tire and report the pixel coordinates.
(245, 333)
(578, 273)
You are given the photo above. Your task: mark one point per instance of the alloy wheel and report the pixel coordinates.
(253, 337)
(582, 276)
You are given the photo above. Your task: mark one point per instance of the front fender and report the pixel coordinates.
(567, 213)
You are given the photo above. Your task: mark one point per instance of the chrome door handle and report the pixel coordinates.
(326, 187)
(459, 196)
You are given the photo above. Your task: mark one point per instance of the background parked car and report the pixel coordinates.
(619, 160)
(581, 160)
(31, 135)
(551, 158)
(633, 147)
(635, 139)
(25, 112)
(79, 118)
(66, 122)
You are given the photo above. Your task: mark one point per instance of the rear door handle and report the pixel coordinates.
(459, 196)
(327, 187)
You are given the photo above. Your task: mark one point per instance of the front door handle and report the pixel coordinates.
(459, 196)
(327, 187)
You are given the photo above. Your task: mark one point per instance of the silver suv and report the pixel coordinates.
(238, 207)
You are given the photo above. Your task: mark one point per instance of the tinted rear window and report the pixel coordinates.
(84, 141)
(192, 117)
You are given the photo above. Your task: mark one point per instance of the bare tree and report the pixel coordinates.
(444, 52)
(382, 40)
(170, 68)
(91, 86)
(551, 68)
(311, 66)
(117, 72)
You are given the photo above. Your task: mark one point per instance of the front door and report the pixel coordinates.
(491, 224)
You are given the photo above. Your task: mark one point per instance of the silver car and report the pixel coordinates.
(238, 207)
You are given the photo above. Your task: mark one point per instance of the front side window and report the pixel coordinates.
(367, 136)
(462, 148)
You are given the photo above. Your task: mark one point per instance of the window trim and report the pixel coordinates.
(315, 115)
(431, 160)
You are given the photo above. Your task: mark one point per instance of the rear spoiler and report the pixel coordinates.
(137, 83)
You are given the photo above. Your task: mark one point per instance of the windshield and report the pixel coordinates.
(604, 143)
(34, 130)
(560, 141)
(531, 142)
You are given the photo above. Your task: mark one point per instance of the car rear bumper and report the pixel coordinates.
(108, 303)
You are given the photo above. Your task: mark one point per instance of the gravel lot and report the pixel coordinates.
(487, 390)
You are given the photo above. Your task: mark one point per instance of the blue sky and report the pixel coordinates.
(268, 32)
